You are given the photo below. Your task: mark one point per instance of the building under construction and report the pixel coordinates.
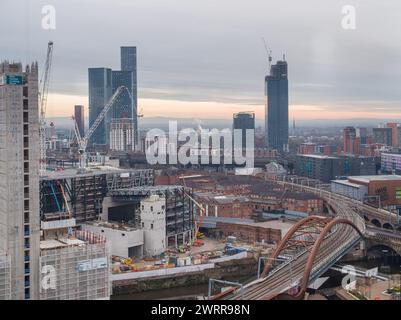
(74, 266)
(5, 277)
(82, 194)
(180, 224)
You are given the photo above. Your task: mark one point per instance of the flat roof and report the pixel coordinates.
(317, 156)
(367, 179)
(391, 154)
(347, 183)
(111, 225)
(272, 224)
(60, 243)
(92, 171)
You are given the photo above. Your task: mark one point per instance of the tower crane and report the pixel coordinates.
(44, 89)
(269, 54)
(83, 141)
(202, 216)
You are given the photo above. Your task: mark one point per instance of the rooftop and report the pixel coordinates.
(60, 243)
(367, 179)
(112, 225)
(316, 156)
(273, 224)
(92, 171)
(347, 183)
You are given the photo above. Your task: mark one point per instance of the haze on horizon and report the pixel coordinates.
(203, 59)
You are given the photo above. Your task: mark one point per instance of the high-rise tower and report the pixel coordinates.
(79, 114)
(128, 63)
(276, 113)
(100, 91)
(19, 177)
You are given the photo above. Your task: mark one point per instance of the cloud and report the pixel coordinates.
(208, 51)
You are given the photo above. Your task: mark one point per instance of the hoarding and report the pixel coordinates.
(86, 265)
(13, 79)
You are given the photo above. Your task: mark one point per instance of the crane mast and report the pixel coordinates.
(44, 89)
(83, 141)
(269, 54)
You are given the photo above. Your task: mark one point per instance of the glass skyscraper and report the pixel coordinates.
(244, 121)
(128, 63)
(276, 113)
(100, 92)
(103, 83)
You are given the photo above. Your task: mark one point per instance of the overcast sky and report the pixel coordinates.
(205, 58)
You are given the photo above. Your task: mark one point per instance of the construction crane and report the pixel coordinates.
(83, 141)
(269, 54)
(202, 216)
(140, 114)
(44, 89)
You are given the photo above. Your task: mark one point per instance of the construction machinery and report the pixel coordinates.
(195, 241)
(44, 90)
(83, 141)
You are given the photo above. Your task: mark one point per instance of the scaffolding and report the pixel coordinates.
(81, 268)
(180, 224)
(5, 277)
(85, 193)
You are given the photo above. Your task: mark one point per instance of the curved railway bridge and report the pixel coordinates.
(306, 252)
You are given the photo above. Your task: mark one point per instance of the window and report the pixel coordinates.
(151, 208)
(26, 143)
(151, 226)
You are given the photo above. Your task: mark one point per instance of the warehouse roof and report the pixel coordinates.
(367, 179)
(347, 183)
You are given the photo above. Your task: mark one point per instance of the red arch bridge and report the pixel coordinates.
(306, 252)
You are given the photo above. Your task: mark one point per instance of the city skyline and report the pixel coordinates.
(220, 63)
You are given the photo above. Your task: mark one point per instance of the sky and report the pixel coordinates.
(206, 59)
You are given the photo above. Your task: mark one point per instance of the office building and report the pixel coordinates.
(326, 168)
(383, 136)
(244, 121)
(79, 114)
(122, 135)
(362, 134)
(19, 177)
(349, 137)
(395, 134)
(100, 92)
(391, 163)
(276, 90)
(129, 63)
(323, 168)
(103, 83)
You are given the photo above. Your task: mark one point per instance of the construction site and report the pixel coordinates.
(5, 277)
(80, 261)
(83, 193)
